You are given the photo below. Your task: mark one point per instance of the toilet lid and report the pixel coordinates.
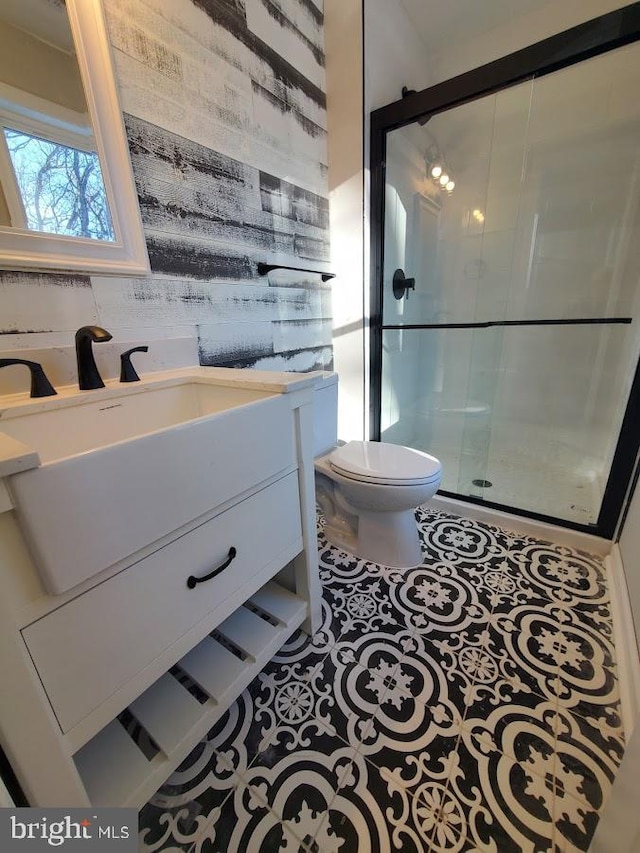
(386, 464)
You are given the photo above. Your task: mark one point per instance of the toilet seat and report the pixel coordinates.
(385, 464)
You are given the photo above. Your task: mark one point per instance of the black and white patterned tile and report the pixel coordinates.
(363, 607)
(440, 597)
(469, 704)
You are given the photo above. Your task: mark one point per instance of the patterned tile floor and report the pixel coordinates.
(469, 704)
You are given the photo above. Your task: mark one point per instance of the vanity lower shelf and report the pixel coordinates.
(117, 766)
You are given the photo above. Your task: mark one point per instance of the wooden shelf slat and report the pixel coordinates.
(277, 602)
(215, 669)
(248, 632)
(110, 764)
(167, 710)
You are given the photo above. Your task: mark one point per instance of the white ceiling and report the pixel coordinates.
(440, 22)
(45, 19)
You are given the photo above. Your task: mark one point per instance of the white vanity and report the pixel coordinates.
(157, 546)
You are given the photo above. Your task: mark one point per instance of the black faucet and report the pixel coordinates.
(40, 385)
(88, 375)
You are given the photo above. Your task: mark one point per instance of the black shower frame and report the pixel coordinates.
(584, 41)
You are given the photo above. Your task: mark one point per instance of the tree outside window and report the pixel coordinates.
(61, 187)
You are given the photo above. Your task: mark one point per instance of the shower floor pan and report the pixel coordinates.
(539, 475)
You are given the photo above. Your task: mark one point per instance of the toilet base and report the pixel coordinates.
(388, 538)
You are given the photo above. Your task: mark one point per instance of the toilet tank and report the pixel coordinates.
(325, 412)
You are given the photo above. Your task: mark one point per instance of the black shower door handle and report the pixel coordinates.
(402, 285)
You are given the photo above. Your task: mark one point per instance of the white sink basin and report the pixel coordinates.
(121, 469)
(100, 421)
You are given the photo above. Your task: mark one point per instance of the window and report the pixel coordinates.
(60, 106)
(60, 187)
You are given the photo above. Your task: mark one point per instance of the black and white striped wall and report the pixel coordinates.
(224, 107)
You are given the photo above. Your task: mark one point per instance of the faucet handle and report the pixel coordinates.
(127, 370)
(40, 385)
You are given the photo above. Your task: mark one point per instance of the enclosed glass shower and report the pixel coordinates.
(507, 285)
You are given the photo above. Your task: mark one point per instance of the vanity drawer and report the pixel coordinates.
(87, 649)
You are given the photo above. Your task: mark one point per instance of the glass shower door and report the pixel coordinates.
(513, 357)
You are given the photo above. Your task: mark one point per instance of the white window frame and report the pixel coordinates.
(31, 250)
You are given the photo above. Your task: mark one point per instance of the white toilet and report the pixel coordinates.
(368, 490)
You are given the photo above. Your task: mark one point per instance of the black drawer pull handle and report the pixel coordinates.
(193, 581)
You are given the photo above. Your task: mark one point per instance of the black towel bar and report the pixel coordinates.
(263, 269)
